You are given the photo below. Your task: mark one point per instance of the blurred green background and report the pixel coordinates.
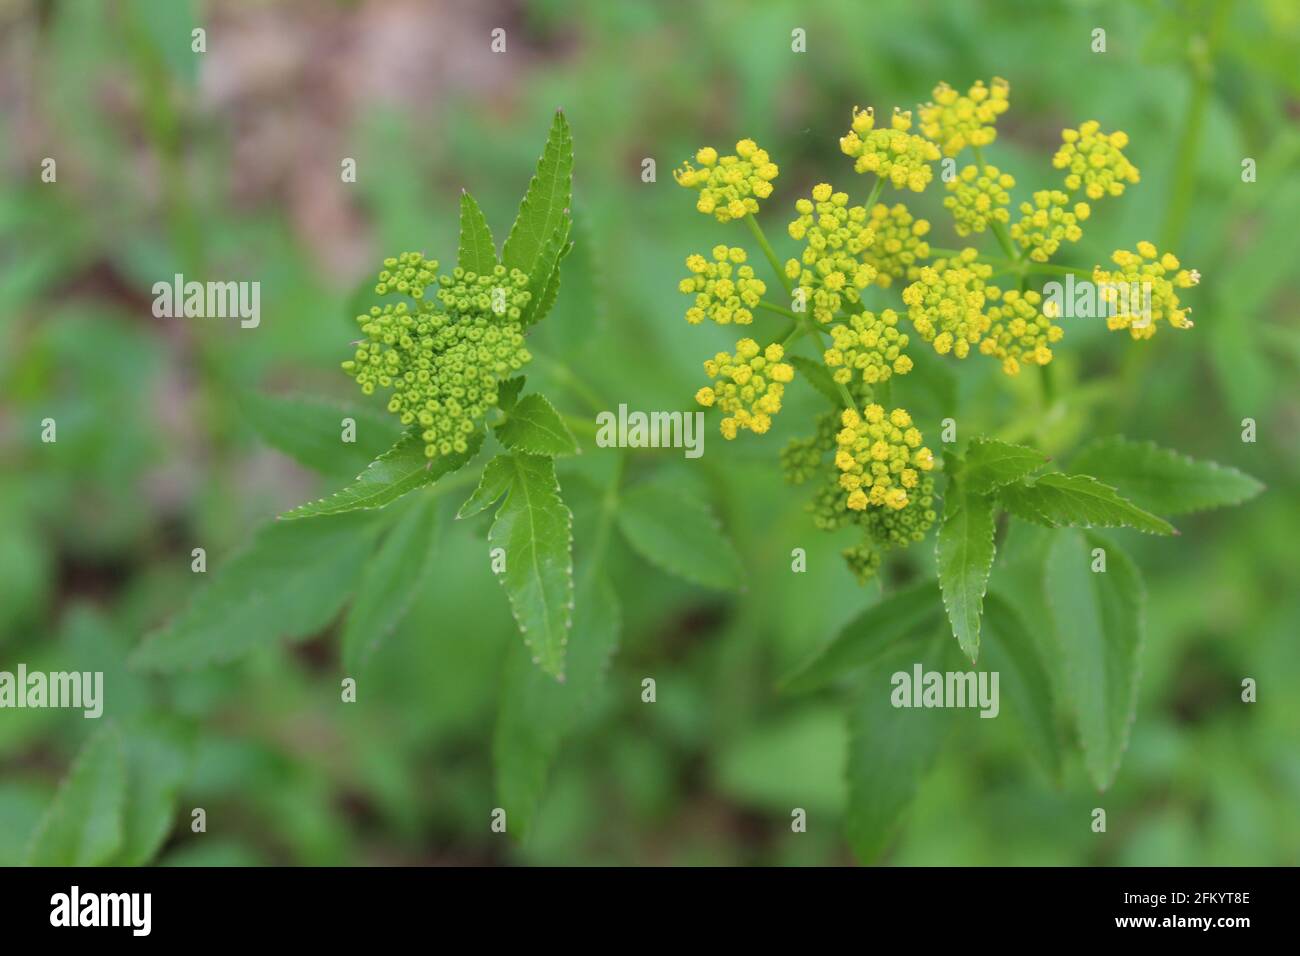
(226, 165)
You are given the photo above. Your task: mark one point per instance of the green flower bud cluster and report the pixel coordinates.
(946, 303)
(802, 458)
(899, 244)
(954, 121)
(1165, 275)
(444, 359)
(1047, 222)
(870, 343)
(894, 154)
(863, 560)
(1095, 161)
(729, 186)
(748, 386)
(1019, 332)
(979, 196)
(832, 271)
(725, 290)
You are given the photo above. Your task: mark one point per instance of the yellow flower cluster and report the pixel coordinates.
(955, 121)
(1164, 275)
(1094, 161)
(870, 343)
(1019, 333)
(979, 196)
(894, 154)
(729, 186)
(1048, 221)
(748, 386)
(725, 290)
(880, 457)
(899, 244)
(836, 235)
(946, 303)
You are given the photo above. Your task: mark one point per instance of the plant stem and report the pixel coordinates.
(999, 231)
(778, 309)
(766, 246)
(876, 190)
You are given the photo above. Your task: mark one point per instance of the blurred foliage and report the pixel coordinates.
(227, 164)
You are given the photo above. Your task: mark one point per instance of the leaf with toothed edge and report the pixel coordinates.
(478, 252)
(1098, 619)
(545, 204)
(991, 463)
(1164, 480)
(535, 530)
(965, 556)
(679, 535)
(545, 293)
(83, 824)
(288, 582)
(400, 470)
(534, 426)
(1077, 501)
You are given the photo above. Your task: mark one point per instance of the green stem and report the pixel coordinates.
(766, 246)
(876, 190)
(778, 309)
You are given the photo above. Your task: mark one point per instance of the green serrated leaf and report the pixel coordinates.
(400, 470)
(1011, 651)
(869, 636)
(545, 203)
(965, 556)
(289, 582)
(546, 286)
(680, 535)
(537, 713)
(493, 482)
(83, 825)
(157, 763)
(990, 464)
(508, 392)
(1098, 618)
(398, 571)
(1077, 501)
(890, 748)
(478, 251)
(819, 377)
(534, 528)
(535, 427)
(311, 431)
(1163, 480)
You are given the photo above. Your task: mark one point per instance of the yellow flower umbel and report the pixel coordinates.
(979, 196)
(899, 244)
(880, 457)
(894, 154)
(1094, 161)
(955, 121)
(946, 303)
(729, 186)
(871, 344)
(725, 290)
(1047, 222)
(1019, 333)
(1126, 290)
(836, 234)
(748, 386)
